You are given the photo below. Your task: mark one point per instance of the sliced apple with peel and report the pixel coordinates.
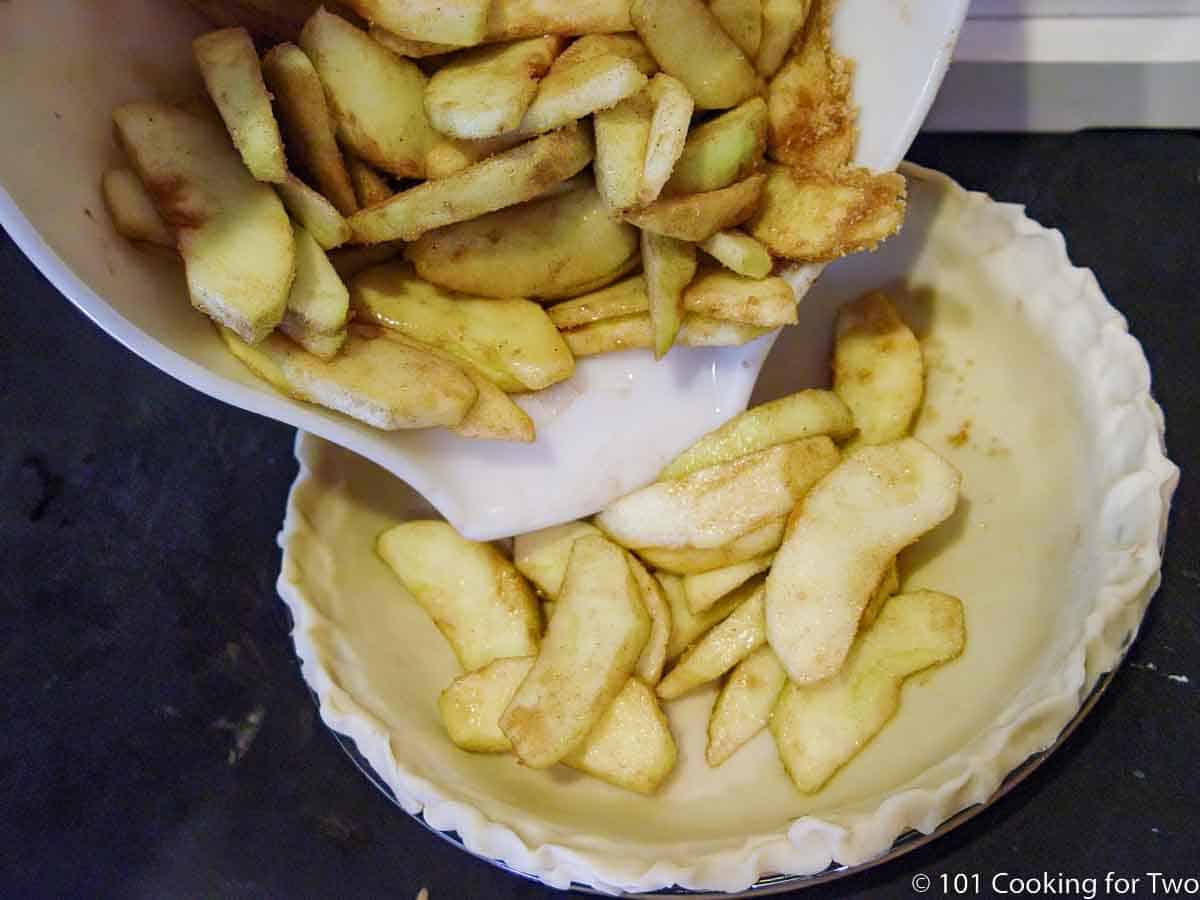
(840, 541)
(474, 595)
(484, 92)
(232, 231)
(743, 708)
(741, 633)
(622, 135)
(631, 746)
(721, 151)
(819, 727)
(800, 415)
(714, 506)
(590, 649)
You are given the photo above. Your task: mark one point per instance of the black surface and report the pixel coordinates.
(140, 624)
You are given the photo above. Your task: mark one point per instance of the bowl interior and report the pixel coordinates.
(64, 64)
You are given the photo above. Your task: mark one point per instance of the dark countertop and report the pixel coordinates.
(141, 628)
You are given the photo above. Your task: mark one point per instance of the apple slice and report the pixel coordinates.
(470, 707)
(706, 588)
(232, 231)
(377, 98)
(512, 341)
(229, 64)
(631, 746)
(654, 654)
(373, 378)
(888, 585)
(307, 123)
(370, 187)
(840, 541)
(742, 21)
(493, 416)
(820, 727)
(878, 369)
(688, 42)
(570, 93)
(812, 217)
(484, 92)
(626, 44)
(740, 253)
(669, 123)
(743, 708)
(697, 217)
(669, 265)
(790, 418)
(591, 647)
(132, 210)
(718, 294)
(721, 151)
(687, 626)
(476, 598)
(622, 135)
(714, 506)
(314, 212)
(456, 23)
(318, 304)
(541, 556)
(693, 560)
(508, 19)
(740, 634)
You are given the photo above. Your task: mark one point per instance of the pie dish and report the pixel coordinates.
(1035, 390)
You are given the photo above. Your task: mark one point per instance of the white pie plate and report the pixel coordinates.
(1036, 391)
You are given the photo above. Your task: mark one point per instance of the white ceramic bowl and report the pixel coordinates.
(1035, 391)
(64, 64)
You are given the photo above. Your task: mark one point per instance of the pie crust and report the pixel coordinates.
(1036, 391)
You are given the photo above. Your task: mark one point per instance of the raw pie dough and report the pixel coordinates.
(1035, 391)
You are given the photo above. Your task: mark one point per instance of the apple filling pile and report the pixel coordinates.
(764, 555)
